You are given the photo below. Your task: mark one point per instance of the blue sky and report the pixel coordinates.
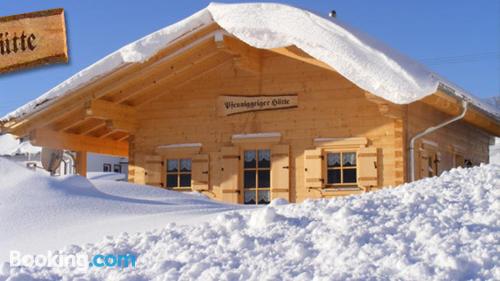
(459, 39)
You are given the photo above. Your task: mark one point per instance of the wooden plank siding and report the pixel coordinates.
(471, 142)
(329, 106)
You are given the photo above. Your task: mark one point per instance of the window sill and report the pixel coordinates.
(341, 188)
(180, 189)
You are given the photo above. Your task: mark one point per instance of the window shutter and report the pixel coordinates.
(153, 170)
(199, 172)
(230, 168)
(280, 167)
(367, 167)
(313, 164)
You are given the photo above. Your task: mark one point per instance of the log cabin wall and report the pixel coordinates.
(447, 147)
(329, 106)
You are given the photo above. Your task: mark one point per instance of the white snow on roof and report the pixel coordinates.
(364, 61)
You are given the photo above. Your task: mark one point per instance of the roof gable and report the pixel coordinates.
(364, 61)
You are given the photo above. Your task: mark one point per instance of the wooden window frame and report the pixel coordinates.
(341, 168)
(256, 169)
(178, 173)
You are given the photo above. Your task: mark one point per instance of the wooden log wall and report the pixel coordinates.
(329, 106)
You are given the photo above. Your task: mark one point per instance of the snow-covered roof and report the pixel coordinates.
(364, 61)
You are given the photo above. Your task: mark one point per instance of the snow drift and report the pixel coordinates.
(361, 59)
(442, 228)
(38, 212)
(10, 146)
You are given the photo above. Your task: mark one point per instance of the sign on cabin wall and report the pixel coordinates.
(31, 39)
(228, 105)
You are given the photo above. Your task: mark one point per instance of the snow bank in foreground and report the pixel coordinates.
(8, 144)
(39, 213)
(106, 176)
(444, 228)
(495, 152)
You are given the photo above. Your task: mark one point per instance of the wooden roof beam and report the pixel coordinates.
(23, 127)
(97, 130)
(95, 89)
(116, 135)
(109, 133)
(121, 126)
(116, 116)
(297, 54)
(173, 82)
(123, 83)
(60, 140)
(174, 64)
(102, 109)
(73, 118)
(63, 105)
(245, 56)
(100, 131)
(87, 127)
(451, 105)
(123, 138)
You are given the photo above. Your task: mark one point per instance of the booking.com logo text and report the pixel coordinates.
(81, 261)
(111, 260)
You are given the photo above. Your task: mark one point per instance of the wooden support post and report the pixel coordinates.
(81, 163)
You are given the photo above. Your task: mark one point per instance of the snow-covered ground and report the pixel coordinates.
(106, 176)
(443, 228)
(9, 145)
(495, 152)
(38, 212)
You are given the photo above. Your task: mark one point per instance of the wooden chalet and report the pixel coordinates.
(210, 113)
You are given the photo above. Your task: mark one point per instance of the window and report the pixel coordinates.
(117, 168)
(178, 173)
(341, 168)
(257, 176)
(106, 167)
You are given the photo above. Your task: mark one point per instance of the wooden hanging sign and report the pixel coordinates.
(31, 39)
(228, 105)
